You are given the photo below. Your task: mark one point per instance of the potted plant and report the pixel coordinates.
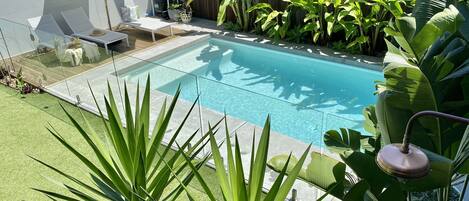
(186, 13)
(173, 11)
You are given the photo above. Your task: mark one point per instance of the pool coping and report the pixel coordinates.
(245, 41)
(331, 58)
(199, 25)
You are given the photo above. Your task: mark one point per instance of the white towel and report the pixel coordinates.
(91, 51)
(74, 56)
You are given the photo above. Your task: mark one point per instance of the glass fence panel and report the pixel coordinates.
(32, 60)
(50, 58)
(164, 82)
(17, 37)
(335, 122)
(163, 79)
(54, 61)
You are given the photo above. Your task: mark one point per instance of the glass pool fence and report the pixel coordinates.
(67, 67)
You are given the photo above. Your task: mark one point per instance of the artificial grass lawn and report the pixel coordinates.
(23, 132)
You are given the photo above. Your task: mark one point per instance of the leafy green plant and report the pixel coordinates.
(131, 164)
(175, 6)
(239, 8)
(231, 26)
(318, 172)
(342, 46)
(365, 181)
(275, 23)
(427, 71)
(363, 22)
(319, 21)
(295, 35)
(234, 185)
(22, 86)
(358, 23)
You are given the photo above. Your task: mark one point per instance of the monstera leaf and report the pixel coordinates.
(345, 140)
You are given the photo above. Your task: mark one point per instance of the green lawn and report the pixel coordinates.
(23, 122)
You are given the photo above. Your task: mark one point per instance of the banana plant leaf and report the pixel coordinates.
(439, 176)
(430, 81)
(323, 172)
(447, 20)
(424, 10)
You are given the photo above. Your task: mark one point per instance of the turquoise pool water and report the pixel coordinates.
(304, 96)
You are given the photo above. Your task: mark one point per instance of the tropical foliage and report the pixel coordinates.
(358, 24)
(366, 180)
(234, 185)
(275, 23)
(426, 68)
(428, 71)
(130, 164)
(239, 9)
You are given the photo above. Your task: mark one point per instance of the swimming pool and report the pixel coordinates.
(304, 96)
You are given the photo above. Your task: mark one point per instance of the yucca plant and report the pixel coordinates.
(233, 183)
(131, 163)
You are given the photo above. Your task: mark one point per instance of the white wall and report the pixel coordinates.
(20, 10)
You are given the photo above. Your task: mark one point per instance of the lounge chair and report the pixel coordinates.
(81, 27)
(149, 24)
(50, 35)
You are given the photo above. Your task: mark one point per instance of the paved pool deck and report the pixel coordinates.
(77, 86)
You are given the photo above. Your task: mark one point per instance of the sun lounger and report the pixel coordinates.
(149, 24)
(49, 34)
(81, 27)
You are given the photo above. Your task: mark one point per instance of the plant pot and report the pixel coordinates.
(174, 14)
(186, 17)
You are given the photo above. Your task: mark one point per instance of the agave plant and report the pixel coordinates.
(233, 182)
(131, 164)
